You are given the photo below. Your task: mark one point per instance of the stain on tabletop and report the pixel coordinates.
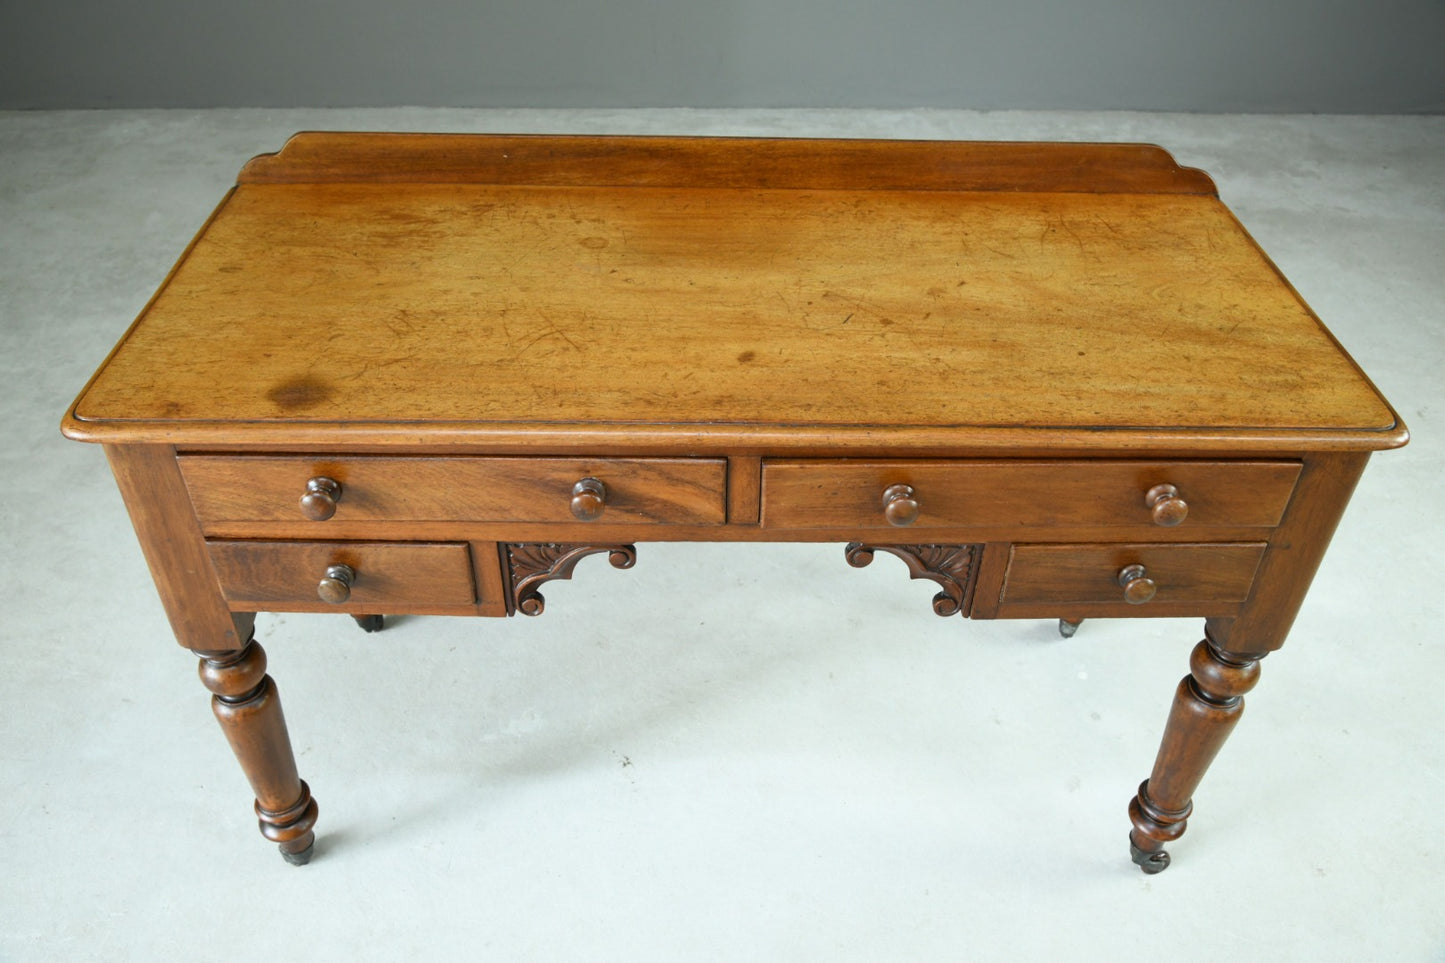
(303, 391)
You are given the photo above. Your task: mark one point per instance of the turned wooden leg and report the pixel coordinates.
(249, 710)
(1206, 707)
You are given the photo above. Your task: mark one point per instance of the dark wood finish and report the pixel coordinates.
(1166, 506)
(1194, 579)
(655, 491)
(335, 585)
(900, 507)
(246, 704)
(1209, 701)
(311, 576)
(1138, 586)
(529, 566)
(319, 501)
(954, 567)
(589, 499)
(1207, 706)
(559, 346)
(1023, 494)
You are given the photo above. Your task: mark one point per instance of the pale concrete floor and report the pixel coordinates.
(729, 752)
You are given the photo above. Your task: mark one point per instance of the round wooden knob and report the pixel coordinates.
(319, 502)
(1166, 506)
(589, 498)
(1138, 586)
(335, 585)
(899, 505)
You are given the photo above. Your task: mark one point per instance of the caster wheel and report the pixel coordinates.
(303, 857)
(1150, 863)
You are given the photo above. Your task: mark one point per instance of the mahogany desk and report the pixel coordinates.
(428, 373)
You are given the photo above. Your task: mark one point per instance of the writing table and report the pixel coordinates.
(429, 373)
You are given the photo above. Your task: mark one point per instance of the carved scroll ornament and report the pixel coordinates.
(953, 567)
(532, 563)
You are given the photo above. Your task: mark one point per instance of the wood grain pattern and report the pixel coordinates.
(723, 162)
(155, 495)
(1081, 611)
(639, 491)
(953, 567)
(247, 706)
(1066, 575)
(390, 577)
(706, 317)
(744, 490)
(988, 587)
(1023, 494)
(491, 583)
(529, 566)
(1207, 705)
(509, 353)
(1296, 549)
(608, 532)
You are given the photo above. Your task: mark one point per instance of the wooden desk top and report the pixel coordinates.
(512, 293)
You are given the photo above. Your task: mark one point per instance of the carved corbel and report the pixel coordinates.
(530, 564)
(954, 567)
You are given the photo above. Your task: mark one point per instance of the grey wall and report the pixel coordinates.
(1214, 55)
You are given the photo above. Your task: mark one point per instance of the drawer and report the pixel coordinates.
(647, 491)
(1170, 579)
(384, 576)
(848, 494)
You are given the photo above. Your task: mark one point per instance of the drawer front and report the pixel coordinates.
(648, 491)
(1182, 578)
(387, 576)
(806, 494)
